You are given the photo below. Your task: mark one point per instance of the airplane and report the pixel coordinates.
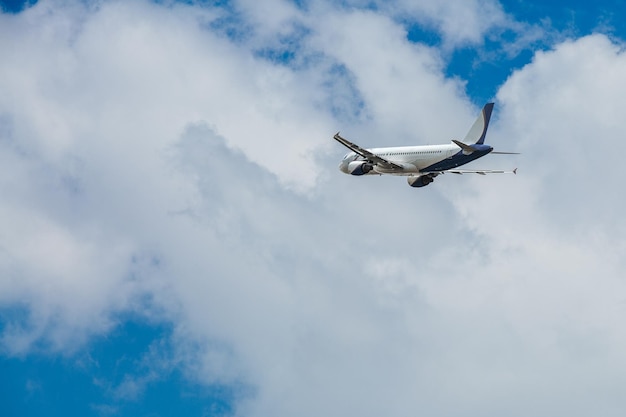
(421, 164)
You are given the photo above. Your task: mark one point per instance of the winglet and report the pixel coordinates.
(515, 171)
(479, 129)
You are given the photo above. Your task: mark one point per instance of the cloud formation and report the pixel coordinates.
(152, 162)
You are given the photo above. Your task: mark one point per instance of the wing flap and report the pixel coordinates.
(367, 154)
(478, 171)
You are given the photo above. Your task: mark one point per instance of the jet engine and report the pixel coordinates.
(420, 180)
(359, 167)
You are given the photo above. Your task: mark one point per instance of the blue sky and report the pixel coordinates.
(159, 257)
(88, 381)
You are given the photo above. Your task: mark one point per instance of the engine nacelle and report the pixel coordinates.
(359, 167)
(420, 180)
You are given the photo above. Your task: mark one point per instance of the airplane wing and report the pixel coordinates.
(477, 171)
(367, 154)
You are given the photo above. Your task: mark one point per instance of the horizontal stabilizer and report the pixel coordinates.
(466, 148)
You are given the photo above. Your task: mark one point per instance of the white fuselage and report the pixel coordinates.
(412, 158)
(422, 164)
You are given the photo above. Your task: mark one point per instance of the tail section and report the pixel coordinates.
(479, 129)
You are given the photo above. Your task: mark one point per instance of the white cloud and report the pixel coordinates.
(143, 154)
(459, 22)
(393, 76)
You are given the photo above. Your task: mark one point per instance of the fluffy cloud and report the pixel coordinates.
(459, 22)
(549, 262)
(151, 163)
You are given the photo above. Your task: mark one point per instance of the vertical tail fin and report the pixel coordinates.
(479, 129)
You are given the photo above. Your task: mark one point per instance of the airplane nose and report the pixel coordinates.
(343, 167)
